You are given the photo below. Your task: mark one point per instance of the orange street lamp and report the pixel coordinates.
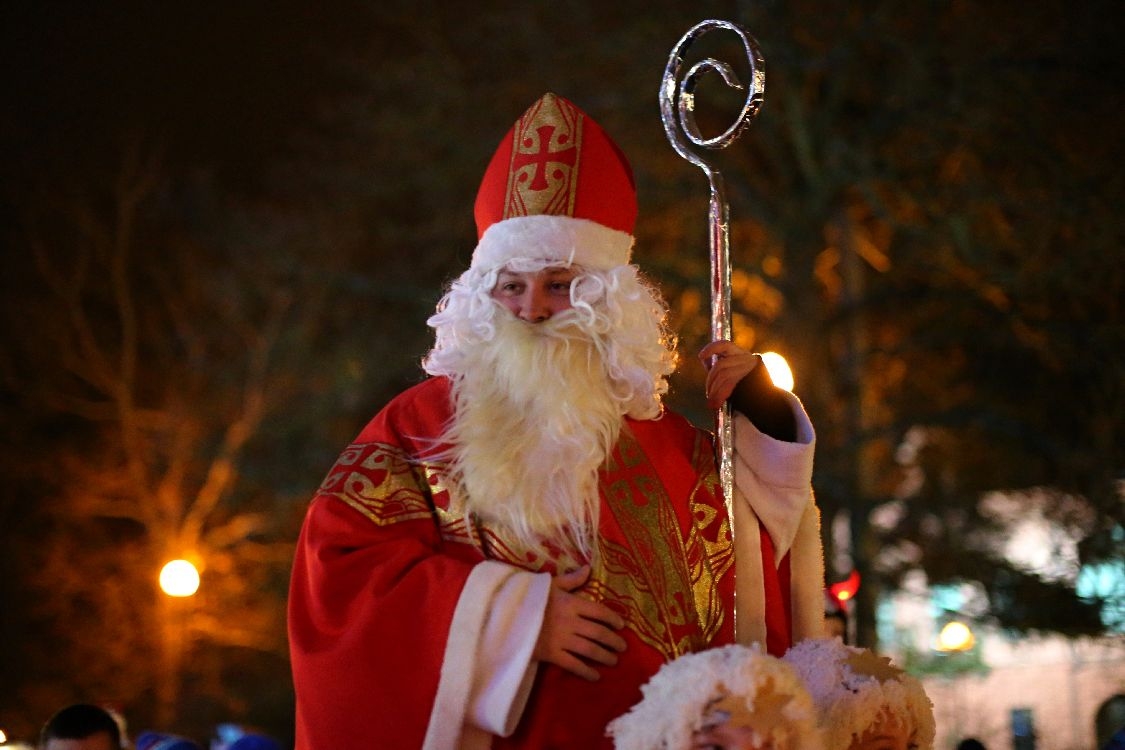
(955, 636)
(779, 370)
(179, 578)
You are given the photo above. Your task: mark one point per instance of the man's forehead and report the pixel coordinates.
(559, 270)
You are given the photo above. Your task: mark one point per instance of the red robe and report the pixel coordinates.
(385, 554)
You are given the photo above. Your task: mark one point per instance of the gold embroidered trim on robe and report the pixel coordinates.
(669, 585)
(664, 585)
(380, 482)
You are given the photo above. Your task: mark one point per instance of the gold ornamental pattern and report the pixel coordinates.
(379, 481)
(662, 581)
(667, 583)
(546, 155)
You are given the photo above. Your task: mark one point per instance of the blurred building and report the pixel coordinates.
(1044, 692)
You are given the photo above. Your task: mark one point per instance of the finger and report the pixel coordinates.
(706, 359)
(725, 376)
(607, 640)
(599, 630)
(719, 385)
(590, 651)
(721, 381)
(574, 665)
(581, 615)
(575, 579)
(736, 360)
(725, 355)
(598, 614)
(600, 633)
(594, 643)
(717, 348)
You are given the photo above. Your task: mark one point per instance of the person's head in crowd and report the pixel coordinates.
(254, 741)
(835, 618)
(727, 698)
(864, 702)
(232, 736)
(1115, 742)
(836, 625)
(160, 741)
(970, 743)
(81, 726)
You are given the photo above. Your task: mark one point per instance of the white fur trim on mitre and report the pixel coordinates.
(566, 239)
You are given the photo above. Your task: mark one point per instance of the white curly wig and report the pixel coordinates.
(853, 686)
(626, 314)
(678, 695)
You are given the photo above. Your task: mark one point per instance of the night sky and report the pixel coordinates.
(216, 83)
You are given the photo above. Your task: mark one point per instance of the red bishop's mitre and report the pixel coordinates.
(557, 188)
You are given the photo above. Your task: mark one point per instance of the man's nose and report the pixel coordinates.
(534, 307)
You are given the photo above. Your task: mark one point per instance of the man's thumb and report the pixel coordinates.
(574, 579)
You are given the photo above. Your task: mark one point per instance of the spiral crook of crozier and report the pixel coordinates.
(677, 93)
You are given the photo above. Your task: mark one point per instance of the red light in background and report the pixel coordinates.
(845, 589)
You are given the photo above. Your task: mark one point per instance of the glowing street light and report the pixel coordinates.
(778, 369)
(179, 578)
(955, 636)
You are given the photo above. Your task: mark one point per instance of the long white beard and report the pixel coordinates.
(534, 419)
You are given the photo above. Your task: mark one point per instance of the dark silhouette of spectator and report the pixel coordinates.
(254, 742)
(836, 624)
(835, 618)
(81, 726)
(970, 743)
(158, 741)
(1117, 741)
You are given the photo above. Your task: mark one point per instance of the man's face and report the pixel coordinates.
(97, 741)
(887, 733)
(730, 725)
(731, 737)
(535, 296)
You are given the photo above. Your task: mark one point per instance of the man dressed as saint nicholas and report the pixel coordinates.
(513, 546)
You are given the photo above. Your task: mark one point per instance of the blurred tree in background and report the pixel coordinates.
(225, 227)
(932, 186)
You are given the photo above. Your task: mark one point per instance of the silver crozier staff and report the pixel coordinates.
(677, 110)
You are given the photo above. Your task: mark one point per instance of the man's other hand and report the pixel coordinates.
(578, 633)
(726, 364)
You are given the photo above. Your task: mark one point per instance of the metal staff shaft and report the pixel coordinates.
(677, 110)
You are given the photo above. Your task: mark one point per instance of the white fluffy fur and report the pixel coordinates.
(676, 699)
(850, 703)
(538, 407)
(565, 239)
